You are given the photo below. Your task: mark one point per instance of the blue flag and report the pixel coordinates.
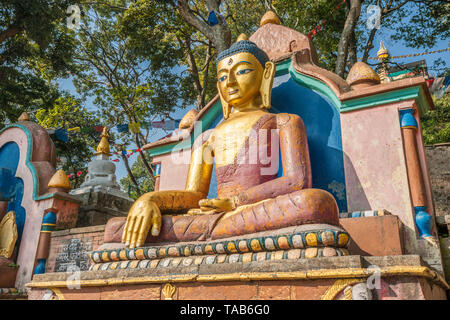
(212, 19)
(62, 135)
(123, 128)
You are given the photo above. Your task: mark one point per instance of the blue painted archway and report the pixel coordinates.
(12, 188)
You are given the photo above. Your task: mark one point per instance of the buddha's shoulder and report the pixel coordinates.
(288, 118)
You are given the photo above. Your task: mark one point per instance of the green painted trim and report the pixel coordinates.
(315, 85)
(282, 68)
(415, 93)
(422, 102)
(28, 162)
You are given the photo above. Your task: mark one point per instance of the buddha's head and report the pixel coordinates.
(244, 76)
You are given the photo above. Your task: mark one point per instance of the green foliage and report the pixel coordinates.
(146, 183)
(420, 24)
(173, 43)
(67, 112)
(35, 48)
(126, 84)
(436, 123)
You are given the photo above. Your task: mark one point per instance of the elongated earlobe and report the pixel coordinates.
(226, 108)
(267, 83)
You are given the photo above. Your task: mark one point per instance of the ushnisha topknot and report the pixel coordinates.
(244, 46)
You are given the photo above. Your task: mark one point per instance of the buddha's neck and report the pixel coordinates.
(253, 105)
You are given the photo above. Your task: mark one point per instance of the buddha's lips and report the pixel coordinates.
(233, 92)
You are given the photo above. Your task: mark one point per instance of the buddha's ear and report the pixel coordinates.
(267, 83)
(226, 108)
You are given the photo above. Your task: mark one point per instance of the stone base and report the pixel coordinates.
(100, 204)
(401, 278)
(375, 236)
(298, 242)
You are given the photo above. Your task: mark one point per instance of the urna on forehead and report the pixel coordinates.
(244, 46)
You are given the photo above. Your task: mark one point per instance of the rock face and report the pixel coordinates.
(439, 166)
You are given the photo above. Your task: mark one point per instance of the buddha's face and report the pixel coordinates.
(239, 78)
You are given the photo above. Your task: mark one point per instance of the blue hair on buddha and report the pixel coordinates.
(244, 46)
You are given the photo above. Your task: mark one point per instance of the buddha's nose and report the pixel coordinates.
(231, 81)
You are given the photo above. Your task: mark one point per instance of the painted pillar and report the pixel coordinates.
(409, 127)
(157, 175)
(43, 250)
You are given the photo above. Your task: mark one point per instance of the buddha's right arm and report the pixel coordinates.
(173, 201)
(145, 214)
(197, 184)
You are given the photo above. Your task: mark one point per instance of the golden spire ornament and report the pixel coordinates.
(59, 180)
(103, 146)
(383, 56)
(241, 37)
(382, 53)
(24, 117)
(269, 17)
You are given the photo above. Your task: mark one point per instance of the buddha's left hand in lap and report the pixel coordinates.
(211, 206)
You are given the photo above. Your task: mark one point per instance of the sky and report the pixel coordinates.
(395, 48)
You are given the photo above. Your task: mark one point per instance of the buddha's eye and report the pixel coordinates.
(222, 78)
(244, 71)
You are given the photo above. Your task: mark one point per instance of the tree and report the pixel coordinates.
(143, 184)
(436, 123)
(418, 24)
(206, 18)
(68, 112)
(347, 39)
(126, 86)
(35, 48)
(175, 44)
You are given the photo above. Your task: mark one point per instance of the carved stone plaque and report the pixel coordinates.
(73, 255)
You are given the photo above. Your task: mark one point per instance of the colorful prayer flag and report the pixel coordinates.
(158, 124)
(76, 129)
(61, 134)
(169, 124)
(135, 127)
(122, 128)
(99, 128)
(87, 130)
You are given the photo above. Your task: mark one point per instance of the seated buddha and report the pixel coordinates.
(252, 198)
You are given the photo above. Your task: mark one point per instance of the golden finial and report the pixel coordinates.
(383, 57)
(241, 37)
(59, 180)
(169, 291)
(24, 117)
(103, 147)
(269, 17)
(361, 73)
(382, 53)
(188, 119)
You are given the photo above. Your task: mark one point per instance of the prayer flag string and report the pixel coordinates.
(62, 134)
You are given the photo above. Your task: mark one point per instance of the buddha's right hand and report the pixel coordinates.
(143, 216)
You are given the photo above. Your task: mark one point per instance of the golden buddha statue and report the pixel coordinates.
(8, 234)
(251, 197)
